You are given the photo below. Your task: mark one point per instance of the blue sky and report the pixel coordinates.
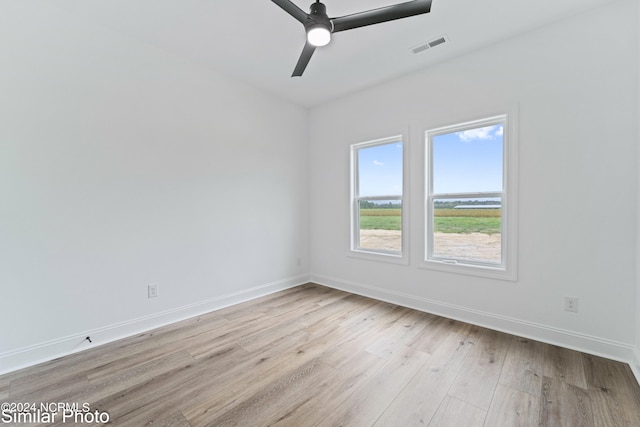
(380, 170)
(469, 161)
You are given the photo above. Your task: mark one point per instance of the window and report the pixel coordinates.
(377, 210)
(469, 221)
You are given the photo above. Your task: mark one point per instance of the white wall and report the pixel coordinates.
(120, 166)
(575, 86)
(636, 365)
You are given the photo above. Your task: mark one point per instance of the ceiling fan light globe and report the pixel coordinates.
(318, 35)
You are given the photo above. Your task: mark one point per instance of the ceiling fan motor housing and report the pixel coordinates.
(318, 16)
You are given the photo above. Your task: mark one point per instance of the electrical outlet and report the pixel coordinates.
(571, 304)
(299, 262)
(152, 291)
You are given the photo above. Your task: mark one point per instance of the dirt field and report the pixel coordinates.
(477, 246)
(380, 239)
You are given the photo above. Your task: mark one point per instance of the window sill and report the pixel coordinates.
(392, 258)
(497, 272)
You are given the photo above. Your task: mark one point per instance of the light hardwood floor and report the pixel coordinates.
(316, 356)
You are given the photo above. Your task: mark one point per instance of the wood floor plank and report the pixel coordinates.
(346, 343)
(57, 389)
(419, 400)
(303, 297)
(373, 325)
(332, 315)
(523, 366)
(369, 316)
(155, 343)
(208, 343)
(366, 404)
(565, 405)
(287, 353)
(565, 365)
(456, 413)
(256, 307)
(123, 380)
(174, 420)
(330, 392)
(355, 304)
(277, 327)
(257, 370)
(272, 400)
(436, 331)
(481, 370)
(612, 391)
(394, 338)
(161, 396)
(512, 408)
(608, 410)
(4, 388)
(313, 355)
(602, 373)
(329, 295)
(157, 347)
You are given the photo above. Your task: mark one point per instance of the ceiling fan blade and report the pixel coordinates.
(305, 56)
(292, 10)
(383, 14)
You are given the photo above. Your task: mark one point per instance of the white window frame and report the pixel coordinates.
(356, 251)
(507, 268)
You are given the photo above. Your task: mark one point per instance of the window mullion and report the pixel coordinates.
(374, 198)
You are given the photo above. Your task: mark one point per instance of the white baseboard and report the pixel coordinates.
(635, 363)
(574, 340)
(46, 351)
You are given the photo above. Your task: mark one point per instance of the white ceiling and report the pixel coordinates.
(257, 42)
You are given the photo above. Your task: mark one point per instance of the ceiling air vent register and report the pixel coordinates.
(431, 43)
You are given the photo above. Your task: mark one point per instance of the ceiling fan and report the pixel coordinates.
(319, 26)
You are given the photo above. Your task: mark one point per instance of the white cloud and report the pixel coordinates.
(377, 163)
(480, 133)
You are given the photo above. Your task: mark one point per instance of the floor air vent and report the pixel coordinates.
(431, 43)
